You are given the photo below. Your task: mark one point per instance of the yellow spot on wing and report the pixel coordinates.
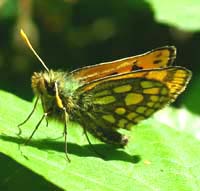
(163, 98)
(132, 115)
(129, 125)
(122, 123)
(141, 109)
(104, 100)
(109, 118)
(154, 98)
(103, 93)
(180, 74)
(164, 91)
(158, 105)
(133, 98)
(147, 84)
(120, 110)
(150, 104)
(159, 77)
(148, 112)
(122, 89)
(139, 118)
(178, 81)
(151, 91)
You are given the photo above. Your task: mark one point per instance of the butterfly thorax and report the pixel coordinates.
(44, 85)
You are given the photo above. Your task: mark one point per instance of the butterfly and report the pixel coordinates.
(106, 97)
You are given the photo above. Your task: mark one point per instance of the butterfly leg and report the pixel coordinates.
(38, 124)
(28, 117)
(66, 119)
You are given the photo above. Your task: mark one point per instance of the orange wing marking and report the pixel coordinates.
(157, 58)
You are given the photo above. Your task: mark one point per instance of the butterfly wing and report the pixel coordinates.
(121, 101)
(157, 58)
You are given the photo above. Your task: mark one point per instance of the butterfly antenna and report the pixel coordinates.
(25, 38)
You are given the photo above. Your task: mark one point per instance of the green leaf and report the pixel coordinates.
(183, 14)
(162, 154)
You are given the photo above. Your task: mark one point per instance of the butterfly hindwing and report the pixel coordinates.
(121, 101)
(158, 58)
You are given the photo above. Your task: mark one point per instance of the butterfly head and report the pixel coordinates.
(44, 83)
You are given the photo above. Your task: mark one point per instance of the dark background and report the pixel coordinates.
(70, 34)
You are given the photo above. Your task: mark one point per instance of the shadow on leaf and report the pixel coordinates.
(108, 151)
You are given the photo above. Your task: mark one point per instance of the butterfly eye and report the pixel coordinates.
(50, 87)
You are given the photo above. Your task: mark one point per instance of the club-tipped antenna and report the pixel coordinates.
(25, 38)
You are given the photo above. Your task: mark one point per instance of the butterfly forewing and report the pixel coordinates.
(157, 58)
